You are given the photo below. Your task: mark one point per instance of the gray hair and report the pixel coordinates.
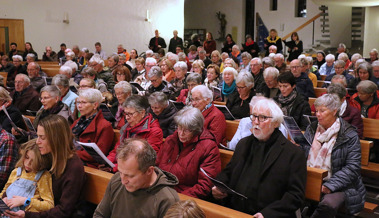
(194, 77)
(274, 47)
(341, 45)
(330, 101)
(52, 90)
(182, 55)
(92, 95)
(61, 80)
(339, 63)
(255, 99)
(150, 60)
(155, 71)
(271, 71)
(97, 59)
(190, 118)
(367, 86)
(159, 98)
(140, 103)
(276, 112)
(149, 52)
(143, 152)
(125, 86)
(72, 65)
(114, 57)
(343, 56)
(66, 69)
(374, 50)
(337, 89)
(4, 95)
(330, 57)
(199, 62)
(172, 56)
(71, 54)
(279, 55)
(259, 61)
(355, 57)
(181, 64)
(268, 61)
(205, 92)
(19, 57)
(231, 70)
(25, 77)
(340, 77)
(202, 51)
(309, 59)
(246, 55)
(375, 64)
(365, 66)
(236, 47)
(247, 78)
(31, 55)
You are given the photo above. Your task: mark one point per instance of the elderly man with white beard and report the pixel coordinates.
(266, 167)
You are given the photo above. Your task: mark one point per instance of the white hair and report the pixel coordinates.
(125, 86)
(181, 64)
(355, 57)
(97, 59)
(66, 69)
(271, 71)
(172, 56)
(19, 57)
(71, 54)
(205, 92)
(279, 55)
(330, 57)
(273, 47)
(231, 70)
(276, 112)
(92, 95)
(236, 47)
(150, 61)
(182, 55)
(301, 56)
(343, 56)
(25, 77)
(259, 61)
(73, 66)
(245, 77)
(149, 52)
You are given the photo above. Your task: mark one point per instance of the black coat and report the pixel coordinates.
(299, 108)
(234, 105)
(251, 48)
(228, 47)
(281, 186)
(294, 53)
(16, 117)
(304, 86)
(166, 119)
(155, 48)
(174, 43)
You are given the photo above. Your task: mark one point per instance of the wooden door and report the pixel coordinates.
(11, 30)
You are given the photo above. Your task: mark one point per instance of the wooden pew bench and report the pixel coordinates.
(319, 91)
(51, 72)
(97, 182)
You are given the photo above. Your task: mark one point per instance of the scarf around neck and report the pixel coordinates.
(272, 41)
(286, 103)
(227, 90)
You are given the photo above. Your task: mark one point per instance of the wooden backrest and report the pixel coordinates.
(5, 75)
(320, 83)
(365, 151)
(225, 157)
(219, 102)
(311, 101)
(370, 128)
(30, 117)
(97, 182)
(323, 77)
(319, 91)
(116, 136)
(231, 129)
(51, 72)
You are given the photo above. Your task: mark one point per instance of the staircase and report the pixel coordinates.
(324, 42)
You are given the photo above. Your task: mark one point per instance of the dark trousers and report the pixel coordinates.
(329, 205)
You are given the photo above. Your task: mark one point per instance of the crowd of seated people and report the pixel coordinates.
(142, 97)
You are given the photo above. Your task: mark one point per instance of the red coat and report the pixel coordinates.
(148, 128)
(99, 131)
(214, 122)
(201, 151)
(373, 110)
(182, 96)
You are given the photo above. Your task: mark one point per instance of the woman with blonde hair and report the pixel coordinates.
(185, 209)
(55, 140)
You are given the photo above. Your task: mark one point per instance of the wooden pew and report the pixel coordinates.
(320, 83)
(311, 101)
(5, 75)
(231, 129)
(370, 128)
(51, 72)
(319, 91)
(97, 182)
(323, 77)
(219, 102)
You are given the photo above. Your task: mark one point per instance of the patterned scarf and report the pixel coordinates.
(81, 125)
(286, 103)
(322, 146)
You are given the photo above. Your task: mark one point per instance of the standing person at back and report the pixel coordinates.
(139, 189)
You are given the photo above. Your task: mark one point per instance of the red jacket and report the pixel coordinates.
(182, 96)
(148, 128)
(99, 131)
(373, 109)
(214, 122)
(201, 151)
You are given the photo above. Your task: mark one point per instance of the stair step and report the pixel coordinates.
(355, 31)
(356, 25)
(325, 25)
(325, 36)
(324, 20)
(325, 31)
(323, 8)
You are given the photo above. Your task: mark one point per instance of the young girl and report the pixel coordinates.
(29, 186)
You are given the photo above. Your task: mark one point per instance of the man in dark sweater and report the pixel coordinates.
(157, 42)
(139, 189)
(257, 72)
(303, 84)
(174, 42)
(25, 97)
(98, 65)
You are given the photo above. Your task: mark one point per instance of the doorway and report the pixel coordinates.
(11, 30)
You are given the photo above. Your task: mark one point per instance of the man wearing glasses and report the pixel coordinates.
(266, 168)
(303, 83)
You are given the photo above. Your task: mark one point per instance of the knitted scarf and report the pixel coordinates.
(321, 151)
(286, 103)
(81, 125)
(227, 90)
(272, 41)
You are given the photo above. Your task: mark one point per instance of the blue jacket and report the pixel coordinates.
(346, 165)
(69, 100)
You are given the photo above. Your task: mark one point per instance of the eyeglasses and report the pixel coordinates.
(261, 118)
(120, 74)
(184, 130)
(130, 114)
(83, 102)
(295, 67)
(44, 99)
(196, 99)
(238, 87)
